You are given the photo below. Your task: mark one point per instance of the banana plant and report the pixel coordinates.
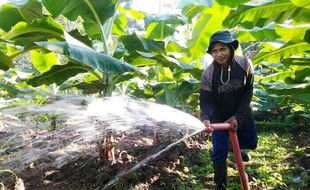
(30, 29)
(101, 47)
(209, 20)
(282, 39)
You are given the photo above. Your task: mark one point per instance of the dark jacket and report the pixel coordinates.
(220, 101)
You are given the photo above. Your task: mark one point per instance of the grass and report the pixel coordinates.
(273, 165)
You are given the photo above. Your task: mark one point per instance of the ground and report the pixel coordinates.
(281, 161)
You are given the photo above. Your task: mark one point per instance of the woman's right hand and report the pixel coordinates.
(209, 129)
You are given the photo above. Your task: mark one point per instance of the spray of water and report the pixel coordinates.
(62, 131)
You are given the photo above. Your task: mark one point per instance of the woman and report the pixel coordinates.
(225, 96)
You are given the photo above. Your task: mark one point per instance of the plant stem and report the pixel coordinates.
(103, 37)
(10, 172)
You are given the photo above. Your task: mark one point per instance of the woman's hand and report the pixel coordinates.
(233, 122)
(209, 129)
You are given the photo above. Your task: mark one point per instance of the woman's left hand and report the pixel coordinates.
(233, 122)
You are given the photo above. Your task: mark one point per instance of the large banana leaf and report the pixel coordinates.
(288, 89)
(58, 74)
(5, 61)
(92, 87)
(89, 57)
(281, 53)
(79, 37)
(167, 19)
(251, 16)
(297, 61)
(119, 25)
(186, 3)
(148, 59)
(27, 40)
(279, 76)
(91, 11)
(72, 9)
(43, 60)
(164, 74)
(302, 98)
(192, 11)
(26, 11)
(174, 47)
(135, 14)
(45, 27)
(301, 3)
(135, 43)
(292, 32)
(302, 74)
(186, 87)
(170, 60)
(173, 93)
(307, 36)
(166, 94)
(141, 61)
(88, 83)
(209, 22)
(232, 3)
(162, 26)
(257, 34)
(9, 15)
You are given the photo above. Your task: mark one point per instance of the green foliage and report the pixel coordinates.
(273, 165)
(11, 90)
(292, 32)
(153, 64)
(119, 184)
(47, 26)
(301, 3)
(25, 11)
(205, 168)
(42, 60)
(134, 176)
(278, 30)
(257, 34)
(134, 43)
(282, 62)
(89, 57)
(231, 4)
(58, 74)
(261, 15)
(208, 22)
(5, 61)
(274, 169)
(90, 11)
(162, 26)
(286, 51)
(192, 11)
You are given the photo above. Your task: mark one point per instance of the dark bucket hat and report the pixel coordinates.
(222, 37)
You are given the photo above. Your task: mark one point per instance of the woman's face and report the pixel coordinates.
(221, 53)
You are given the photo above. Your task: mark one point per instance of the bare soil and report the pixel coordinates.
(89, 173)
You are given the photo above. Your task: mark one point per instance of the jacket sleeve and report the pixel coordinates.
(206, 100)
(244, 105)
(207, 106)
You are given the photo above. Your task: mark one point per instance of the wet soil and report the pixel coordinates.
(90, 173)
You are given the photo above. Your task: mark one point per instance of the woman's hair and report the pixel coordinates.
(231, 51)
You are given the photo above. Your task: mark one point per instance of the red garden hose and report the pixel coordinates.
(235, 145)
